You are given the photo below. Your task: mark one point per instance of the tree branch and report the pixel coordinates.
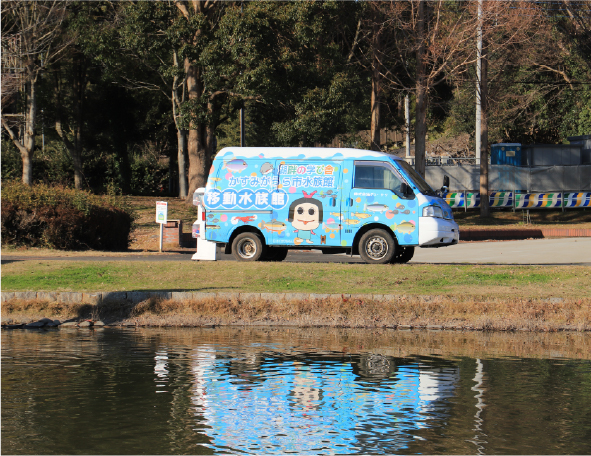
(13, 137)
(554, 70)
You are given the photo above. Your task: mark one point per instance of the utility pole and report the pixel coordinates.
(407, 124)
(482, 117)
(478, 83)
(242, 132)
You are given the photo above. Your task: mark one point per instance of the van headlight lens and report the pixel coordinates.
(432, 211)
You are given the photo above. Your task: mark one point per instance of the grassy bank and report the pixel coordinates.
(492, 297)
(460, 281)
(335, 311)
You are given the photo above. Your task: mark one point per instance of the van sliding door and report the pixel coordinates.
(310, 215)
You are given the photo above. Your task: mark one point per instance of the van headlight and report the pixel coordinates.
(432, 211)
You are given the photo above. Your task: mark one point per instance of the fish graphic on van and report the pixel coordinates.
(375, 207)
(249, 218)
(235, 166)
(351, 221)
(266, 168)
(405, 227)
(360, 215)
(274, 226)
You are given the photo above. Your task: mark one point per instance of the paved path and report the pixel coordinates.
(573, 251)
(569, 251)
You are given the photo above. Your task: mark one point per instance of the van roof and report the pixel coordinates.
(323, 153)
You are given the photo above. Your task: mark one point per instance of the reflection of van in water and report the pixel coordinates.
(260, 202)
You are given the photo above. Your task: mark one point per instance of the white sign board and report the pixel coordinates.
(161, 211)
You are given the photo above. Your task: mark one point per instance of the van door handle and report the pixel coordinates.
(350, 202)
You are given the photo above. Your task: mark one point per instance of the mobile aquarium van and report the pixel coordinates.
(260, 202)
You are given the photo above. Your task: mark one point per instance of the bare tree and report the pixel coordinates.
(30, 32)
(433, 40)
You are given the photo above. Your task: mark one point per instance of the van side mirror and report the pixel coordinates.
(445, 187)
(405, 190)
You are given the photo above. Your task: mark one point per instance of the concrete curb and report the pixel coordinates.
(135, 297)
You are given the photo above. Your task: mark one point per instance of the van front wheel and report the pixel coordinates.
(248, 247)
(377, 247)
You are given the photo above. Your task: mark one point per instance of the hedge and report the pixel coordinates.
(62, 218)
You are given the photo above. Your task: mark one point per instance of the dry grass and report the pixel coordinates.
(497, 315)
(145, 237)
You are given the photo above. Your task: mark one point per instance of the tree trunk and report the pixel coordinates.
(484, 199)
(198, 145)
(181, 154)
(375, 87)
(421, 110)
(181, 134)
(79, 89)
(28, 147)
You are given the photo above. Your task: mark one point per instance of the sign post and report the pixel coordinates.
(161, 217)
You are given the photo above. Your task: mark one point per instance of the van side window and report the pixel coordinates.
(371, 176)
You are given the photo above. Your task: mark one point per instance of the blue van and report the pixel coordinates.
(260, 202)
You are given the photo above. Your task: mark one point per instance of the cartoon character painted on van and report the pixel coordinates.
(315, 197)
(305, 215)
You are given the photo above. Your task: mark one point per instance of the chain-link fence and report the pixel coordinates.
(576, 178)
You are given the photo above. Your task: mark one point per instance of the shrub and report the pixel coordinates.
(65, 219)
(149, 174)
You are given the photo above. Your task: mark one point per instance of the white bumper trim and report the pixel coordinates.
(437, 232)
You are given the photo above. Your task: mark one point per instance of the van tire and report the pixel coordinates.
(248, 247)
(377, 247)
(276, 253)
(403, 255)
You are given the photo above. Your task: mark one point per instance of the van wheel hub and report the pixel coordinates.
(376, 247)
(247, 248)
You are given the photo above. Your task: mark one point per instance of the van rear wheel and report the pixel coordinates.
(377, 247)
(248, 247)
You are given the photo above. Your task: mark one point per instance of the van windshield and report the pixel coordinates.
(416, 178)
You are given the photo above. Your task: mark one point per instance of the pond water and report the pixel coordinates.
(286, 390)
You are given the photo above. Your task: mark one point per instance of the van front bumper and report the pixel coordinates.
(437, 232)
